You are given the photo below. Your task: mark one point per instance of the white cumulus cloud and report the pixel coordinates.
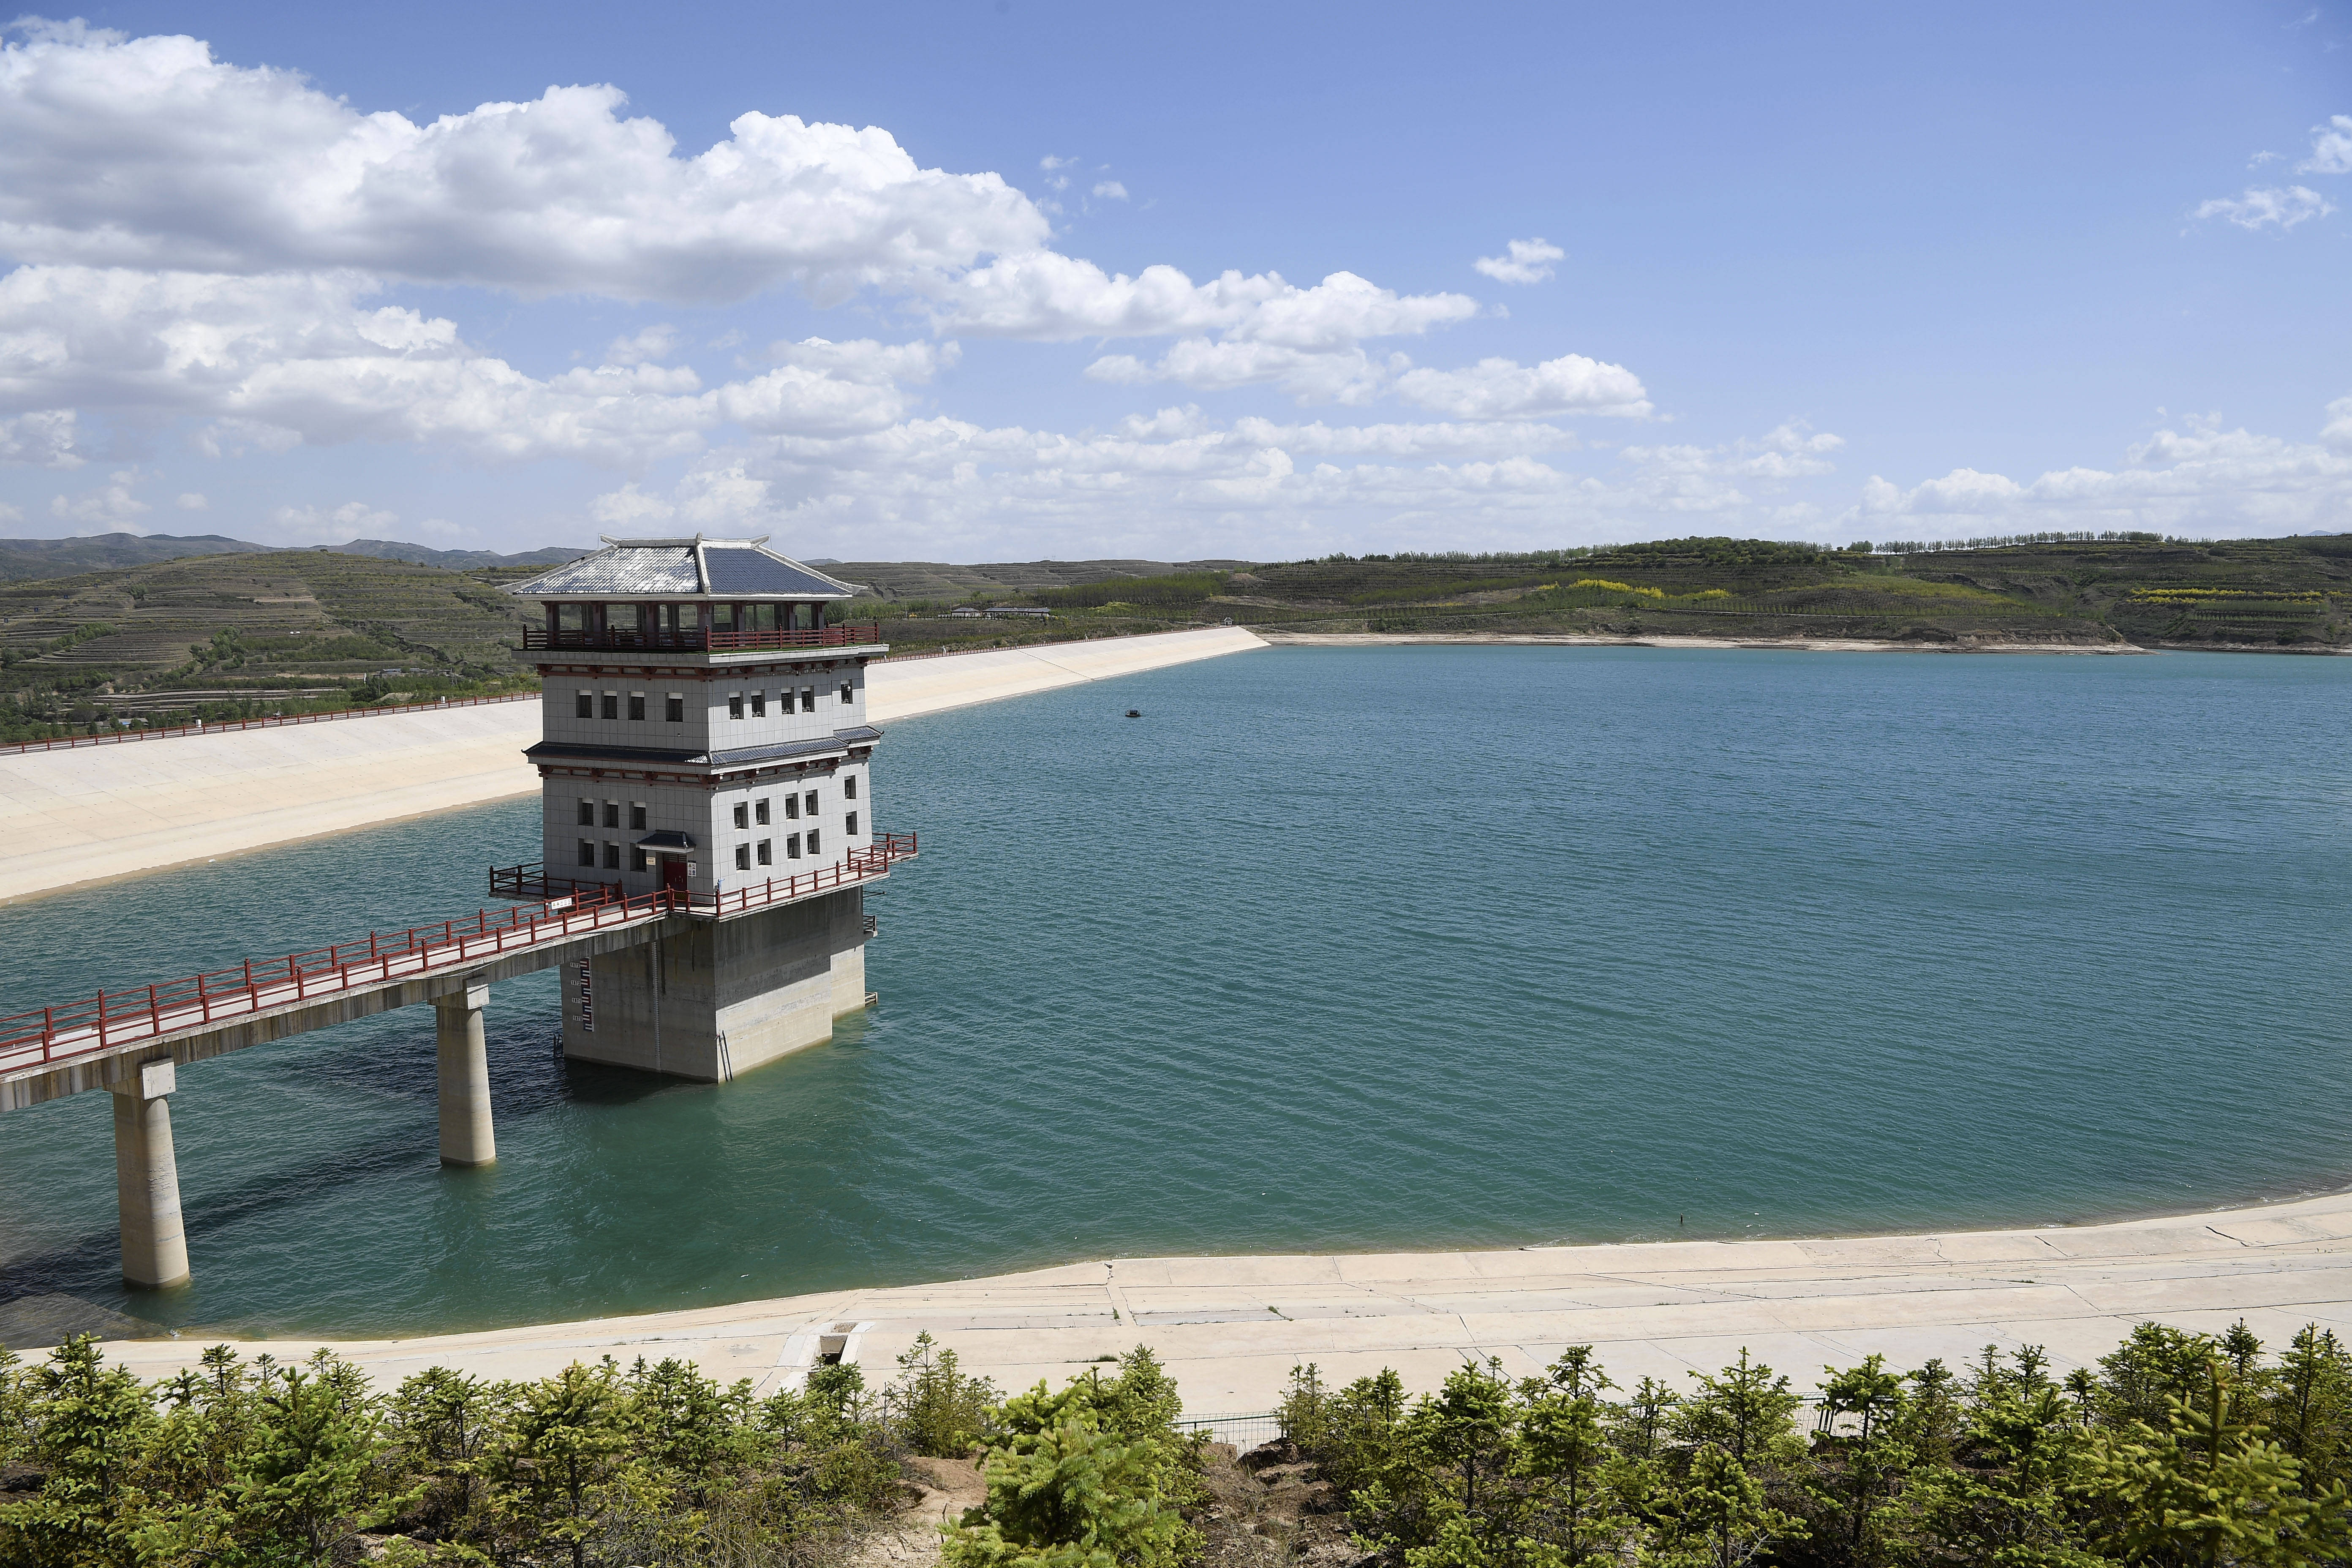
(1502, 388)
(2331, 148)
(43, 437)
(647, 346)
(2202, 480)
(216, 167)
(2262, 207)
(192, 500)
(108, 508)
(294, 359)
(1255, 488)
(339, 525)
(1523, 261)
(1044, 294)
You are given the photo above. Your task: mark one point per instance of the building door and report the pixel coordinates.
(673, 874)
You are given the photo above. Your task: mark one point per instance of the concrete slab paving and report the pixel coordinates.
(1662, 1310)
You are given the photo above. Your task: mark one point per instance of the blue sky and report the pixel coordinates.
(1827, 272)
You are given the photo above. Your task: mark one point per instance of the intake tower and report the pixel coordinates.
(705, 736)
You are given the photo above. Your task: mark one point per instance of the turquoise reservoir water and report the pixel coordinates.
(1336, 949)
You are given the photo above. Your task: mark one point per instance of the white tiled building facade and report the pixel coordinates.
(703, 730)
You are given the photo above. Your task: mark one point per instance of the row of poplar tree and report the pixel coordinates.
(2178, 1450)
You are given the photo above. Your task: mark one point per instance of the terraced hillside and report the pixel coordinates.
(219, 635)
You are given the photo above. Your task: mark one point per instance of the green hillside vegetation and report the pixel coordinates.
(2175, 1450)
(219, 637)
(2080, 591)
(230, 634)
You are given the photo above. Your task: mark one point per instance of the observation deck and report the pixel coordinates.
(531, 880)
(694, 639)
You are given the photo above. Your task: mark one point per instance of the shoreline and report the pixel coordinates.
(1276, 637)
(1230, 1328)
(97, 815)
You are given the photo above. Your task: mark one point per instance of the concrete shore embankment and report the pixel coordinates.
(95, 814)
(1230, 1329)
(1278, 637)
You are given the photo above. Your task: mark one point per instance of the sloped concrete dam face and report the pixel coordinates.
(723, 996)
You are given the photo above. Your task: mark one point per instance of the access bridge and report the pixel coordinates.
(132, 1041)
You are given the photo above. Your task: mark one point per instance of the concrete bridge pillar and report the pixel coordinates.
(147, 1178)
(467, 1138)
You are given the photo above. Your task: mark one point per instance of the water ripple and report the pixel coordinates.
(1337, 949)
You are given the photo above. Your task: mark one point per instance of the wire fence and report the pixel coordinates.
(1244, 1432)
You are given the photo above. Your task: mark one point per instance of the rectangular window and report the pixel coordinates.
(645, 859)
(808, 698)
(791, 808)
(637, 815)
(636, 704)
(767, 855)
(734, 705)
(792, 846)
(674, 709)
(760, 810)
(587, 853)
(742, 856)
(808, 803)
(742, 814)
(812, 839)
(853, 825)
(585, 708)
(612, 705)
(612, 857)
(759, 705)
(612, 813)
(849, 786)
(587, 814)
(848, 693)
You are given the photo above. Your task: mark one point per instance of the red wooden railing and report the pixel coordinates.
(531, 880)
(114, 1018)
(563, 909)
(693, 639)
(224, 726)
(858, 866)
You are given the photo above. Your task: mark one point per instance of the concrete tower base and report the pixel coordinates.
(728, 996)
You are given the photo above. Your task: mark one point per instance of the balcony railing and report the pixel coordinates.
(693, 639)
(532, 882)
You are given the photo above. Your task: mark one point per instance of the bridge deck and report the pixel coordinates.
(84, 1045)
